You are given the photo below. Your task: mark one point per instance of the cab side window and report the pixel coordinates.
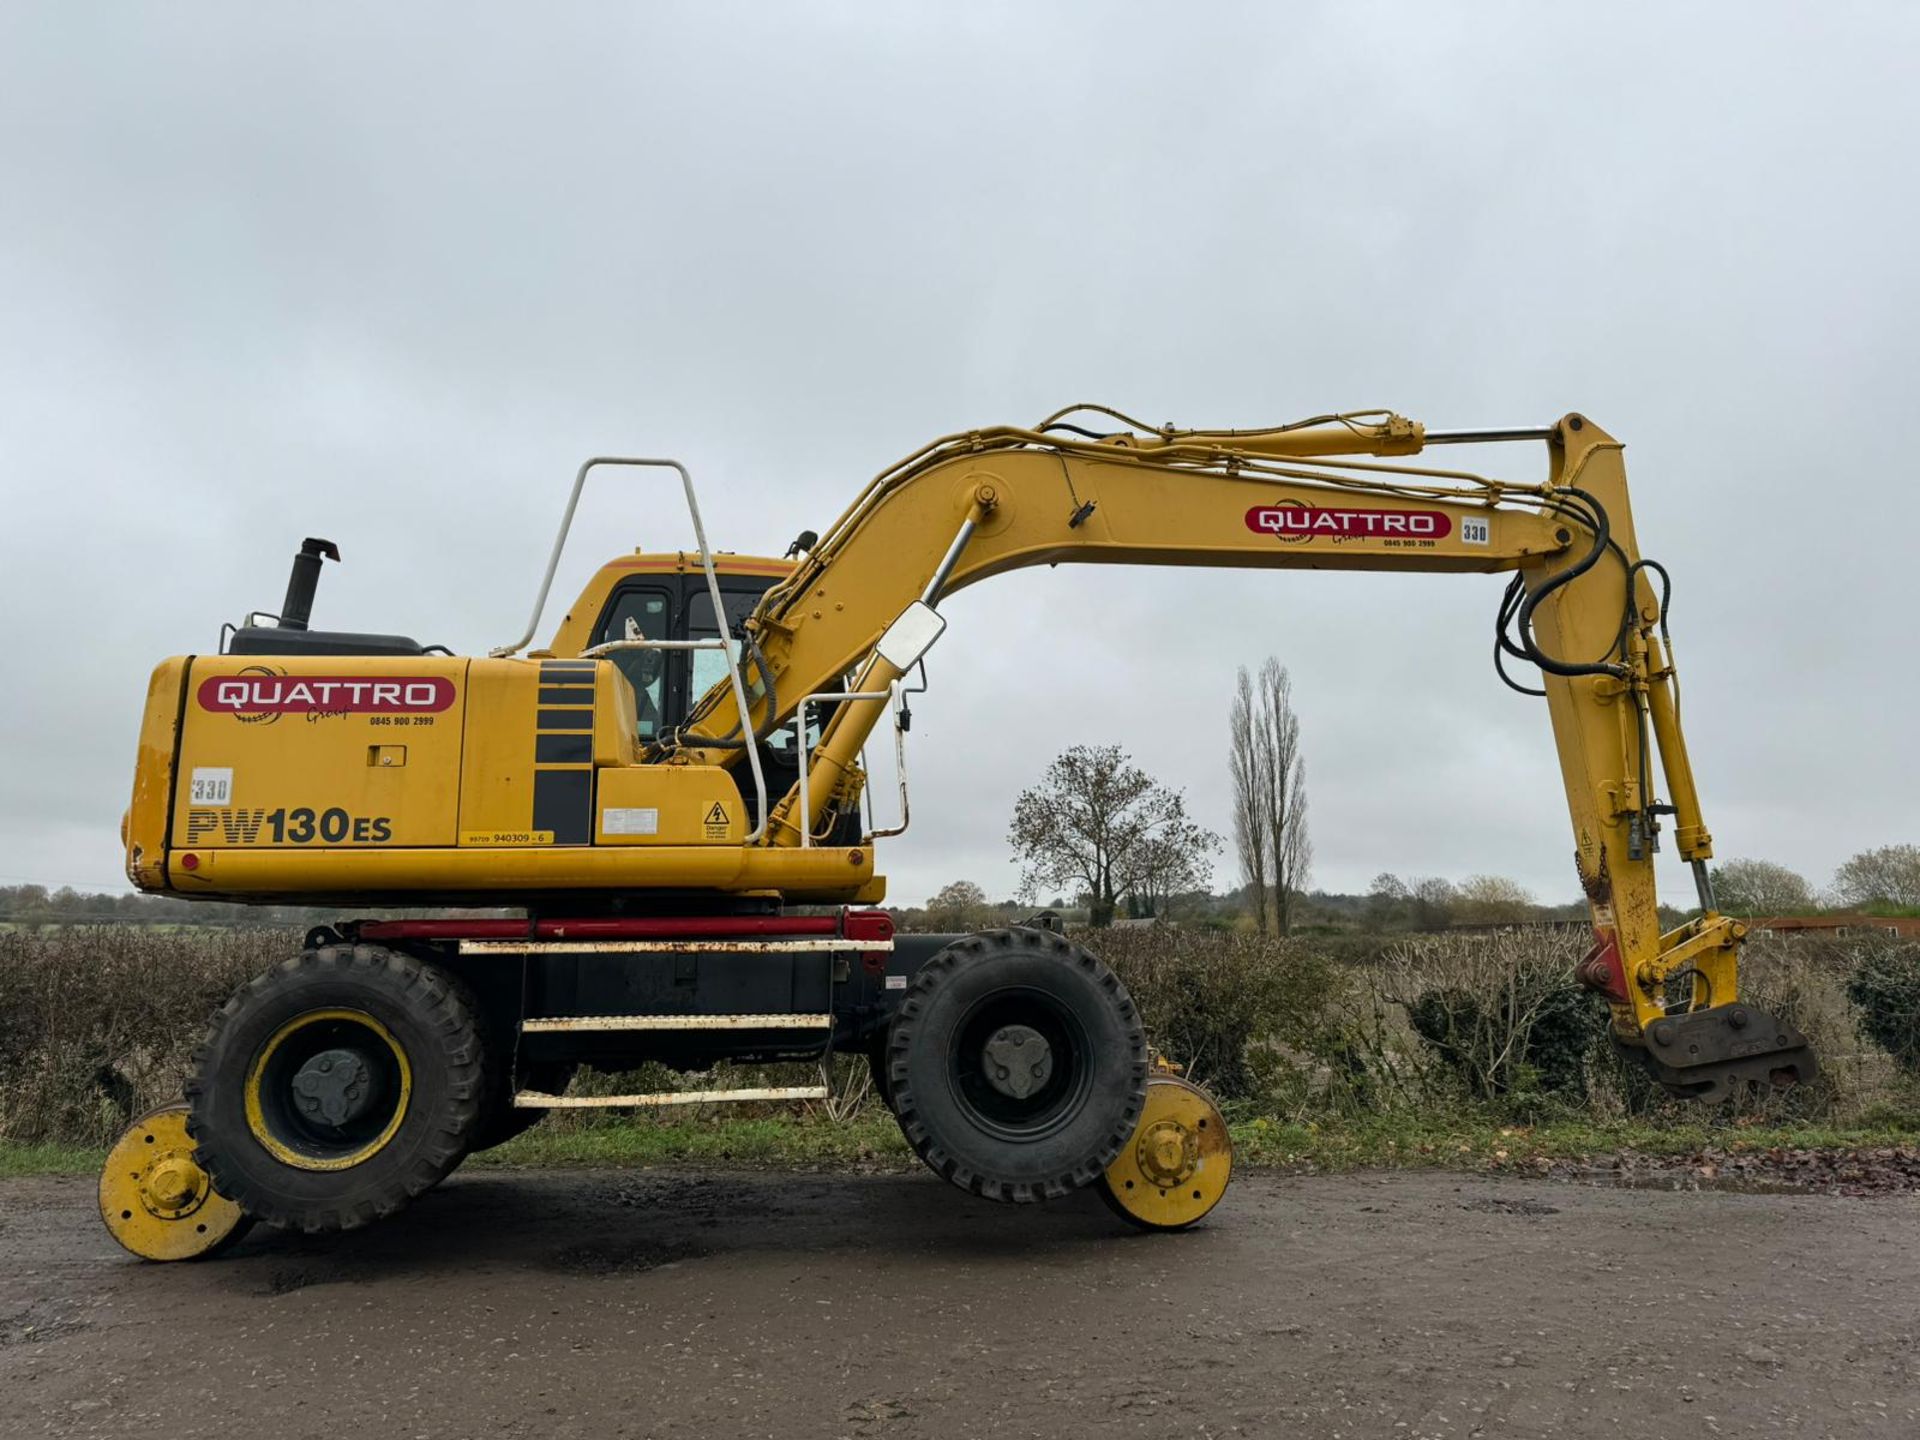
(638, 613)
(710, 666)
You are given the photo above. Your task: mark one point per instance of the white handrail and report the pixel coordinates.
(892, 694)
(722, 642)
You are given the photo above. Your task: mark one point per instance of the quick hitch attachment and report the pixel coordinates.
(1712, 1053)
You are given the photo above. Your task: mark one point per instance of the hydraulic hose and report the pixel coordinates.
(1597, 519)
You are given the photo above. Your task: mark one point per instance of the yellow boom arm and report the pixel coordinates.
(1321, 494)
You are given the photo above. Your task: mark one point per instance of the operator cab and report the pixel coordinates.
(665, 597)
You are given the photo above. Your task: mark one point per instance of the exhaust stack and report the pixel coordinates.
(297, 609)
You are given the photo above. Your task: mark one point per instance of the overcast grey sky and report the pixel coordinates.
(387, 273)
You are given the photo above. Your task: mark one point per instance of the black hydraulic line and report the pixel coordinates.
(1666, 589)
(1503, 644)
(1589, 512)
(1515, 603)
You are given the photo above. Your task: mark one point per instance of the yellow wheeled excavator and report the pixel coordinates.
(675, 794)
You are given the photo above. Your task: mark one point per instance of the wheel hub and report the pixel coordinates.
(328, 1090)
(173, 1186)
(1018, 1061)
(1168, 1153)
(335, 1087)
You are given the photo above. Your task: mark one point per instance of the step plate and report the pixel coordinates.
(536, 1100)
(565, 1023)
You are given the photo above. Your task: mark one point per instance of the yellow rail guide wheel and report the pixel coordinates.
(156, 1201)
(1176, 1166)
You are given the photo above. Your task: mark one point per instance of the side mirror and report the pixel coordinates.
(909, 637)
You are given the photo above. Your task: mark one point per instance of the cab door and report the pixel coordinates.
(645, 609)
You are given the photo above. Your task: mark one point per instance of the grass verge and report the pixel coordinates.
(1466, 1142)
(1473, 1142)
(17, 1160)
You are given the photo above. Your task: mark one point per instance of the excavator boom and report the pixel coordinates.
(1586, 609)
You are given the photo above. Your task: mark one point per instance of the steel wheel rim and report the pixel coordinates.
(304, 1127)
(1053, 1105)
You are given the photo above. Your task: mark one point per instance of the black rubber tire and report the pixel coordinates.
(877, 1069)
(429, 1016)
(1098, 1111)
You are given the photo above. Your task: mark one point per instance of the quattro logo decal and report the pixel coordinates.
(1308, 522)
(254, 695)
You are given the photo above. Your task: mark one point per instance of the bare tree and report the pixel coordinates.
(1172, 860)
(1760, 887)
(1387, 898)
(1433, 900)
(1247, 760)
(1889, 875)
(1277, 729)
(1087, 824)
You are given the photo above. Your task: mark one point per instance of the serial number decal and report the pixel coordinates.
(300, 825)
(630, 820)
(1295, 522)
(506, 837)
(212, 786)
(257, 695)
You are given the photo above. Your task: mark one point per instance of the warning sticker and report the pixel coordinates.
(896, 982)
(630, 821)
(212, 787)
(716, 821)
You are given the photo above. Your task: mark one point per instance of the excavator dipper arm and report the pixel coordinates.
(1329, 493)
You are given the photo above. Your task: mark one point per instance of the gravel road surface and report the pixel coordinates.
(664, 1303)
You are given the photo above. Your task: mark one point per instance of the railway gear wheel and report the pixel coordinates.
(336, 1087)
(1017, 1065)
(156, 1201)
(1177, 1164)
